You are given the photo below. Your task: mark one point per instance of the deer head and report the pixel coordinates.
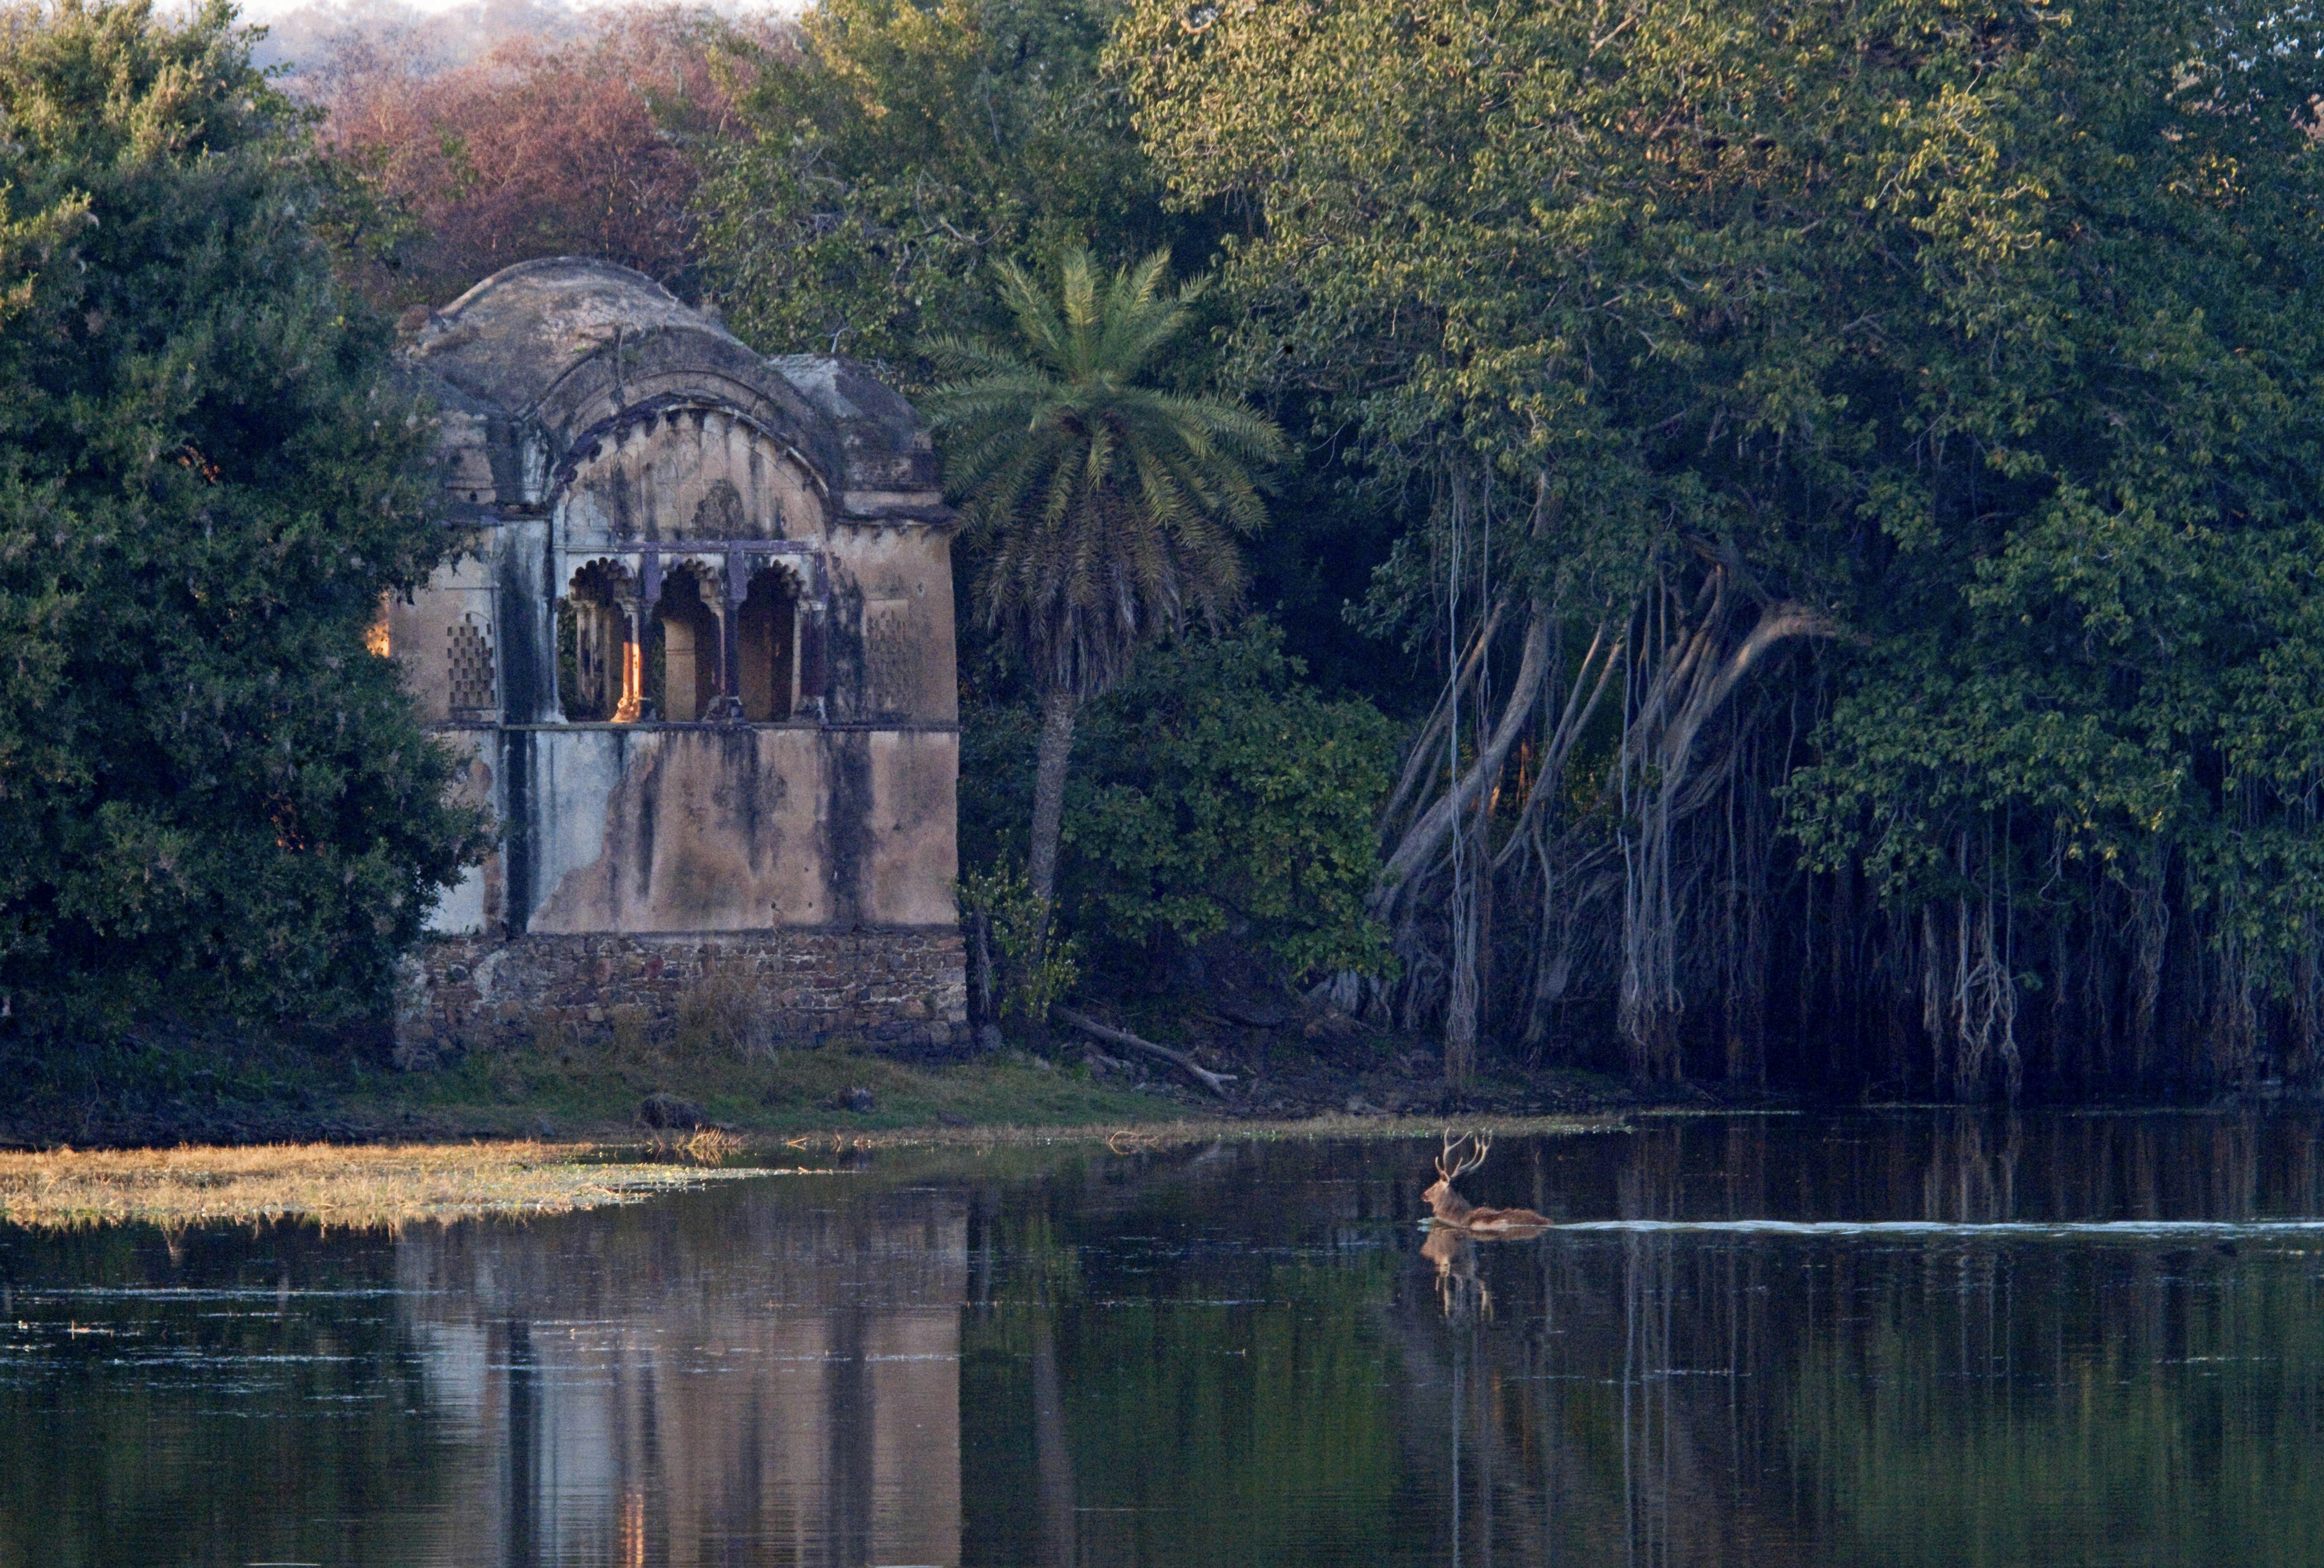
(1451, 1165)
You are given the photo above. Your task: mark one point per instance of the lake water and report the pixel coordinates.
(1897, 1340)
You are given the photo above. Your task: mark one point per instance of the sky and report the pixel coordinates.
(267, 11)
(301, 31)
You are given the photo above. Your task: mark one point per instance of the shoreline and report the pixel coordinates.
(386, 1186)
(166, 1095)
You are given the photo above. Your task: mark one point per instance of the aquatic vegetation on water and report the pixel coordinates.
(361, 1185)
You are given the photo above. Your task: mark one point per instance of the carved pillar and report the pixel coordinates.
(812, 615)
(813, 662)
(630, 706)
(728, 708)
(649, 644)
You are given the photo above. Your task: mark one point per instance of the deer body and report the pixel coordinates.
(1451, 1210)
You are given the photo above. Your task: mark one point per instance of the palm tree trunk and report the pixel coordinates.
(1058, 711)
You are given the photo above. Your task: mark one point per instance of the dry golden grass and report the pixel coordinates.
(362, 1185)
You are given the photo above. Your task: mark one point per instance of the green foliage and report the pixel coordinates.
(997, 744)
(904, 149)
(1221, 793)
(1988, 331)
(1032, 968)
(213, 800)
(873, 175)
(1104, 509)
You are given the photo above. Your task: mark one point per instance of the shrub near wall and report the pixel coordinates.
(1216, 792)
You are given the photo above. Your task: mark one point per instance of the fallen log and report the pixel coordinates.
(1216, 1081)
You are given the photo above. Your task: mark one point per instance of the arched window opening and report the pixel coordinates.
(600, 675)
(768, 650)
(690, 663)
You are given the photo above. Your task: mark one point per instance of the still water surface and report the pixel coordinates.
(1877, 1340)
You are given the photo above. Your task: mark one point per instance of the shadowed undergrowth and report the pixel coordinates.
(578, 1088)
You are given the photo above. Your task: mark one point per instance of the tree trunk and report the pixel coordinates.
(1216, 1082)
(1058, 711)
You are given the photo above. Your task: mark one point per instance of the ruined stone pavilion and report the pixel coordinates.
(699, 653)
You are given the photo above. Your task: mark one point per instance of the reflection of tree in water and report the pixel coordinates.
(1310, 1394)
(1248, 1353)
(132, 1440)
(1653, 1397)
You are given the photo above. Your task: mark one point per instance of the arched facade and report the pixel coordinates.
(700, 646)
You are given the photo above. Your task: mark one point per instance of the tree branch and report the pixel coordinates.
(1216, 1082)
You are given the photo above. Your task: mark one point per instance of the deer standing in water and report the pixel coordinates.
(1453, 1212)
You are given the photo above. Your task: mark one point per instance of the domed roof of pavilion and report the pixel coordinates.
(573, 344)
(514, 336)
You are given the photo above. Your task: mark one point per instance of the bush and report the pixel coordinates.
(213, 802)
(1214, 791)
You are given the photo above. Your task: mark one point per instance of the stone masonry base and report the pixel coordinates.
(902, 991)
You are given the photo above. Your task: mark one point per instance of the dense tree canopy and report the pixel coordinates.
(904, 150)
(1918, 402)
(1846, 473)
(1222, 796)
(213, 800)
(584, 145)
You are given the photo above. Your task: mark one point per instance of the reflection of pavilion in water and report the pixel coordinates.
(782, 1387)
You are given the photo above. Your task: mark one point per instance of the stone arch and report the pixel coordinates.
(768, 640)
(690, 680)
(686, 473)
(601, 673)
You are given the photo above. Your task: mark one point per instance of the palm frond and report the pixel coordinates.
(1104, 512)
(1137, 320)
(963, 357)
(1038, 321)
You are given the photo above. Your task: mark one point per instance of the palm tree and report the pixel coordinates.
(1106, 512)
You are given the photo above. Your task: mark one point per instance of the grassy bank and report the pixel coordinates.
(601, 1090)
(206, 1091)
(166, 1091)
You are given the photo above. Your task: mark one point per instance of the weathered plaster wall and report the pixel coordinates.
(682, 473)
(520, 570)
(458, 602)
(480, 902)
(892, 626)
(904, 990)
(679, 830)
(737, 827)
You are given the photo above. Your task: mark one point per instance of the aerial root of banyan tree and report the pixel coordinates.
(1529, 908)
(1455, 865)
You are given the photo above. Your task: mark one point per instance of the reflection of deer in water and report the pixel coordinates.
(1450, 1209)
(1459, 1291)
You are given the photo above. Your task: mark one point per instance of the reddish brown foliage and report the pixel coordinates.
(574, 148)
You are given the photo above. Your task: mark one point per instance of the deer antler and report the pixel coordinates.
(1478, 1147)
(1481, 1146)
(1450, 1143)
